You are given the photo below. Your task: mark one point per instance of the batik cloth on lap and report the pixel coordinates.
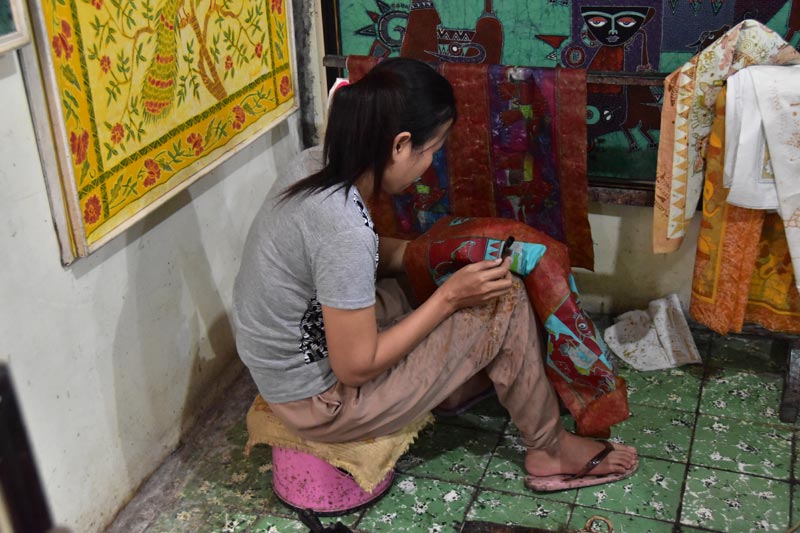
(577, 357)
(686, 117)
(743, 270)
(516, 151)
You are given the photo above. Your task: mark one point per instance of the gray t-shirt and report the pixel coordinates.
(305, 251)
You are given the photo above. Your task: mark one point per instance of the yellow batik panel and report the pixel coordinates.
(280, 52)
(773, 300)
(153, 92)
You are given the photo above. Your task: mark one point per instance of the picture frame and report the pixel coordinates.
(14, 29)
(133, 103)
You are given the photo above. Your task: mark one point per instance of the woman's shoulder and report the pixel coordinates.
(327, 210)
(331, 209)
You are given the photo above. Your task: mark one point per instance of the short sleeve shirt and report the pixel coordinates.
(301, 253)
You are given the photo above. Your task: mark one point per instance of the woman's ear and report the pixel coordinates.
(402, 145)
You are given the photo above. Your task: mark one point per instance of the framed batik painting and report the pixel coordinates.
(146, 96)
(13, 25)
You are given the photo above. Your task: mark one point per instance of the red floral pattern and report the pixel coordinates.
(117, 133)
(98, 4)
(79, 145)
(153, 172)
(61, 42)
(92, 210)
(196, 140)
(238, 117)
(259, 50)
(228, 62)
(277, 6)
(105, 64)
(286, 86)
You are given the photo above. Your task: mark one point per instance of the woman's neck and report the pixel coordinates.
(364, 185)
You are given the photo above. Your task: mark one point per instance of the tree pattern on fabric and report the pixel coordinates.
(151, 91)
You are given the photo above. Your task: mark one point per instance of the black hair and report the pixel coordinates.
(397, 95)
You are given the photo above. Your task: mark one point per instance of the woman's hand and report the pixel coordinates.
(477, 283)
(358, 352)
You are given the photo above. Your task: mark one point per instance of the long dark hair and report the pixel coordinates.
(397, 95)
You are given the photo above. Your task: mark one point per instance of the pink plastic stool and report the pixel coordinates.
(303, 481)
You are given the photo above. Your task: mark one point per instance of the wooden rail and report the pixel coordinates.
(592, 76)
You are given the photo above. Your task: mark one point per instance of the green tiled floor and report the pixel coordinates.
(714, 457)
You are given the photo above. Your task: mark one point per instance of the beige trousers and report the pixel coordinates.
(501, 337)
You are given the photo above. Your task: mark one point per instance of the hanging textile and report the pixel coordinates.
(765, 164)
(777, 91)
(686, 116)
(743, 271)
(577, 357)
(517, 151)
(748, 169)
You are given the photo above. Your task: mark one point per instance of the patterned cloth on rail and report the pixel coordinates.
(686, 116)
(517, 151)
(742, 270)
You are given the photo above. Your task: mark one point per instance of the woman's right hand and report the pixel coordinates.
(477, 283)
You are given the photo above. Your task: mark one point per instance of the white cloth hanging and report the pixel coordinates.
(748, 171)
(764, 158)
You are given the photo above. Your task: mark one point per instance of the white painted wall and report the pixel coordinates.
(113, 356)
(627, 274)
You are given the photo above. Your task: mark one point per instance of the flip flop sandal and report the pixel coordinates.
(582, 478)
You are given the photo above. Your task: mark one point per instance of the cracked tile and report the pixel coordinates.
(743, 447)
(502, 508)
(417, 504)
(652, 492)
(725, 501)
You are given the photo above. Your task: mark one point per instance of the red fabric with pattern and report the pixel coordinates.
(556, 99)
(550, 294)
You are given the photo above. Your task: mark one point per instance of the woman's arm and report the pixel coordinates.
(358, 352)
(390, 256)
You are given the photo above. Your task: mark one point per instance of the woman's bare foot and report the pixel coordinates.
(572, 454)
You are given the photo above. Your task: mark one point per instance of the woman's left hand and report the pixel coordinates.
(477, 283)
